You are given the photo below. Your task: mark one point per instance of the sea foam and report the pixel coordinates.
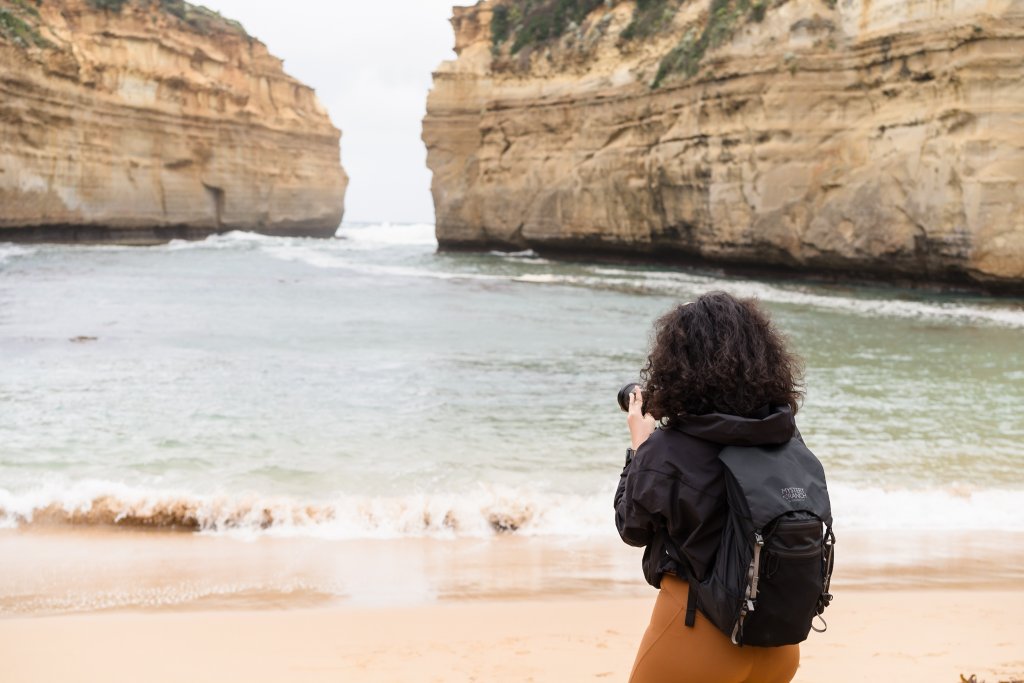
(478, 513)
(693, 285)
(9, 251)
(386, 234)
(353, 238)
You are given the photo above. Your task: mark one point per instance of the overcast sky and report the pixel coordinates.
(370, 63)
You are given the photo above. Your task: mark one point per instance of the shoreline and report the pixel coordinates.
(60, 571)
(903, 635)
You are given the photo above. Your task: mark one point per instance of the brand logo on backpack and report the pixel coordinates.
(794, 493)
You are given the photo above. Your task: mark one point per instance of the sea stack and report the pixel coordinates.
(138, 121)
(878, 139)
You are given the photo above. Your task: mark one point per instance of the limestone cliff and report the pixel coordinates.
(144, 120)
(877, 138)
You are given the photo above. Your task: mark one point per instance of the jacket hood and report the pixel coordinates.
(773, 425)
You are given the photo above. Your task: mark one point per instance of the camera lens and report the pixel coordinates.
(624, 393)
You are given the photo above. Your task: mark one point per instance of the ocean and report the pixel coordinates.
(370, 388)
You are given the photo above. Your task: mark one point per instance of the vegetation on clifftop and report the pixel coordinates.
(650, 17)
(109, 5)
(19, 24)
(199, 18)
(518, 24)
(527, 23)
(724, 18)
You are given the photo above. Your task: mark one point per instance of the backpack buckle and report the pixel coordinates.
(753, 573)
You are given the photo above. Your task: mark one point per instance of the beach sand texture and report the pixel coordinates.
(882, 635)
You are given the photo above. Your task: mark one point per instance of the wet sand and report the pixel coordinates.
(900, 635)
(52, 571)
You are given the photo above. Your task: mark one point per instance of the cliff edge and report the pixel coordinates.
(144, 120)
(881, 139)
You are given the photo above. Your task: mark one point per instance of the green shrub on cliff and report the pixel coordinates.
(28, 8)
(684, 58)
(201, 19)
(19, 24)
(650, 17)
(723, 19)
(175, 7)
(519, 24)
(499, 25)
(108, 5)
(534, 22)
(758, 9)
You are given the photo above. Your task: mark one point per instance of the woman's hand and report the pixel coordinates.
(640, 425)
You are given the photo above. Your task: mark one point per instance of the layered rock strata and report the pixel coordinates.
(145, 120)
(877, 138)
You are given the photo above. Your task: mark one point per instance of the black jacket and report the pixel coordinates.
(671, 497)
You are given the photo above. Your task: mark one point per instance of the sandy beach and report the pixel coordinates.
(904, 635)
(103, 605)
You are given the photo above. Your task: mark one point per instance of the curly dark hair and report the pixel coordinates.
(718, 354)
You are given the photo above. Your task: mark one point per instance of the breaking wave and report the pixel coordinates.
(235, 239)
(11, 251)
(481, 513)
(389, 234)
(338, 253)
(685, 284)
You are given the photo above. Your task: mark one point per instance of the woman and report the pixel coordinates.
(718, 374)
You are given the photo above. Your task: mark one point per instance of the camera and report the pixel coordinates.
(623, 397)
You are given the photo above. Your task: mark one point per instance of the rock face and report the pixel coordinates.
(874, 138)
(145, 120)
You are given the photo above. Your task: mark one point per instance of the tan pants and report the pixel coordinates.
(673, 653)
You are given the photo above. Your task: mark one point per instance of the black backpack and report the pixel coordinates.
(771, 574)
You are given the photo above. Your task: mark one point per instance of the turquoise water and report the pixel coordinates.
(367, 386)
